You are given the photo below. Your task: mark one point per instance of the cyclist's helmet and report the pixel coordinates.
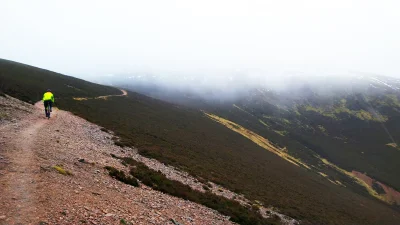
(48, 90)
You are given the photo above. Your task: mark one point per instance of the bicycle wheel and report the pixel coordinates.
(48, 112)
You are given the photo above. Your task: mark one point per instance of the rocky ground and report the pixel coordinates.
(81, 191)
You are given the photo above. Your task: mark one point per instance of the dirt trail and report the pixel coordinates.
(32, 191)
(19, 183)
(124, 93)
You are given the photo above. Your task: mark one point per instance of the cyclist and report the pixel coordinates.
(48, 100)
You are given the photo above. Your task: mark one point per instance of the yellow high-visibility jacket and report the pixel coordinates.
(48, 96)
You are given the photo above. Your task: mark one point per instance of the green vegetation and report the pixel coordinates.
(335, 111)
(263, 123)
(120, 175)
(322, 129)
(393, 145)
(281, 132)
(4, 116)
(388, 100)
(320, 111)
(123, 222)
(160, 182)
(62, 171)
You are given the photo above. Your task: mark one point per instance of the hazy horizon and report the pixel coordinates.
(214, 38)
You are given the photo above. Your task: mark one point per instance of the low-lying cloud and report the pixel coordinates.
(203, 38)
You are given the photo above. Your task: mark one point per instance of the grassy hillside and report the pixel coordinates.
(28, 83)
(188, 139)
(344, 131)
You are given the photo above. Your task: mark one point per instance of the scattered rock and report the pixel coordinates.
(175, 222)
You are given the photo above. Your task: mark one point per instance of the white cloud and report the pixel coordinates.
(102, 37)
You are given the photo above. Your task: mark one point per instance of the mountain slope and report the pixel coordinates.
(28, 83)
(351, 121)
(210, 151)
(188, 139)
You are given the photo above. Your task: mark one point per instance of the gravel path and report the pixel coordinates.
(33, 191)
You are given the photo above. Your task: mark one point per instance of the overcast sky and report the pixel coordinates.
(110, 37)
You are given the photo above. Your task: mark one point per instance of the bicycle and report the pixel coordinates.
(47, 110)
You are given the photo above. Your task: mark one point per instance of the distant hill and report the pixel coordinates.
(233, 144)
(28, 83)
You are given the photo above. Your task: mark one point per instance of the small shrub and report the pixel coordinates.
(62, 170)
(119, 143)
(160, 182)
(120, 175)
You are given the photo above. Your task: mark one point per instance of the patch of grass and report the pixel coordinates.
(393, 145)
(62, 171)
(322, 129)
(281, 132)
(320, 111)
(104, 129)
(4, 115)
(158, 181)
(393, 100)
(334, 112)
(120, 175)
(257, 139)
(263, 123)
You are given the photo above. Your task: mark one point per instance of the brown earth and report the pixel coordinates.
(391, 195)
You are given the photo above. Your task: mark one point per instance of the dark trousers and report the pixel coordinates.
(47, 103)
